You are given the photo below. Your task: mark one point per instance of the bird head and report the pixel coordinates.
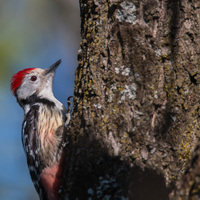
(34, 81)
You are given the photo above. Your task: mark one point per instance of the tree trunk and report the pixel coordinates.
(136, 100)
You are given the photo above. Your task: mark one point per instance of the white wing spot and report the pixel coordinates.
(32, 154)
(36, 151)
(36, 163)
(32, 169)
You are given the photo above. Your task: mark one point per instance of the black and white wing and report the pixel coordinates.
(31, 147)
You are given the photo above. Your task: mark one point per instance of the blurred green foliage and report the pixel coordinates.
(27, 27)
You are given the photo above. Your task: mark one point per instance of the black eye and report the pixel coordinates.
(33, 78)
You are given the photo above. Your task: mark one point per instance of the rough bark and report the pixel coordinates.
(136, 100)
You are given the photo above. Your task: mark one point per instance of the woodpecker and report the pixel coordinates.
(43, 126)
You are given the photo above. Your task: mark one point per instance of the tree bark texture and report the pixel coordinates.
(136, 101)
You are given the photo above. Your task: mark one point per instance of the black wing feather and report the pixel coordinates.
(31, 147)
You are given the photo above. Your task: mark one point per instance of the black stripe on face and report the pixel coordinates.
(35, 99)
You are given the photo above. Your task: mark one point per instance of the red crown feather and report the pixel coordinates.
(18, 78)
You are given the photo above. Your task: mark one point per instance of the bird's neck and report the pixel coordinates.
(34, 99)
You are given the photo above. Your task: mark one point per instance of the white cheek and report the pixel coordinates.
(46, 92)
(25, 90)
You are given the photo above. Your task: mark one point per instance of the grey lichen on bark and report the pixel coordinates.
(136, 99)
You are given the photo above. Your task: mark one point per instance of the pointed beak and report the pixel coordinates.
(52, 68)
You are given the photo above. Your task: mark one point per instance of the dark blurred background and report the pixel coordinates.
(32, 34)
